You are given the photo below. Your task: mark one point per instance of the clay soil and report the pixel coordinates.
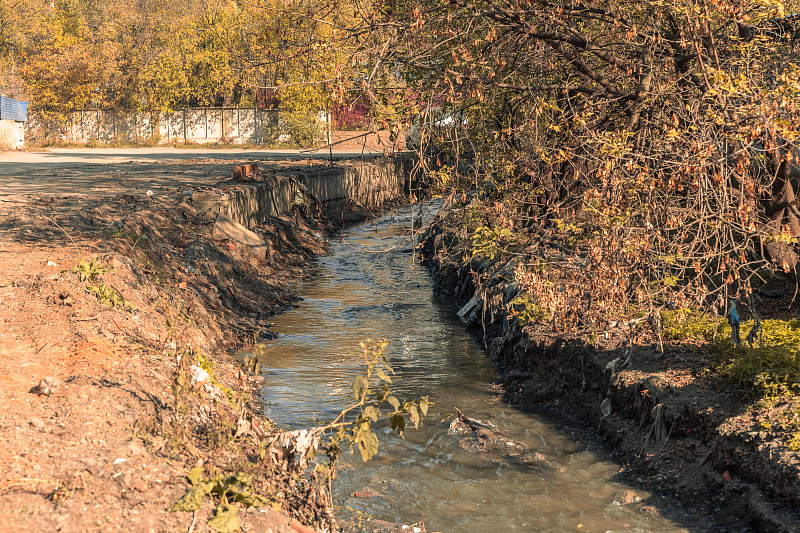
(106, 442)
(677, 428)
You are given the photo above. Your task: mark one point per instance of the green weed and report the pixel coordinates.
(233, 488)
(92, 272)
(208, 366)
(772, 367)
(371, 393)
(682, 324)
(490, 242)
(530, 311)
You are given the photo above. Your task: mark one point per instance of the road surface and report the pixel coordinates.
(110, 171)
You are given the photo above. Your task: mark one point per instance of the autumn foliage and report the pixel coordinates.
(642, 154)
(156, 55)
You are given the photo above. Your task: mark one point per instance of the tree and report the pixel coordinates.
(294, 50)
(658, 137)
(144, 55)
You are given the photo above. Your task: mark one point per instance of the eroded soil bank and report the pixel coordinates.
(677, 429)
(130, 306)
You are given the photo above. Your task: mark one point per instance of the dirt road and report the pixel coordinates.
(110, 171)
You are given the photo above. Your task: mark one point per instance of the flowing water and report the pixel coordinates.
(427, 477)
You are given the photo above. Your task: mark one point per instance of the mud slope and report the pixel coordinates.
(131, 306)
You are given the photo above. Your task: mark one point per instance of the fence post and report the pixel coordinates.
(328, 117)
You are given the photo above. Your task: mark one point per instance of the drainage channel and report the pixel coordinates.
(430, 477)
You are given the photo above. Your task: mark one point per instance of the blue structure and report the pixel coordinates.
(11, 109)
(735, 323)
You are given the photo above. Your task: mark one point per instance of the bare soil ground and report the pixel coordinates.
(106, 442)
(678, 428)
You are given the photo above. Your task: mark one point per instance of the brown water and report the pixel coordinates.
(428, 477)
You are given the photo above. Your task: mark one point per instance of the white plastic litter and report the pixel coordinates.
(199, 375)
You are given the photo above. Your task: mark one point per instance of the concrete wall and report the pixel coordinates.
(370, 183)
(195, 125)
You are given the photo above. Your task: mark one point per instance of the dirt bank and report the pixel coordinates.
(677, 428)
(129, 307)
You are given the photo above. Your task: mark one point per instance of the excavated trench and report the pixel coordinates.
(531, 470)
(670, 439)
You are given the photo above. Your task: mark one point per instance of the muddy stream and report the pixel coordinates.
(429, 477)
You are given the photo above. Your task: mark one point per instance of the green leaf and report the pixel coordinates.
(250, 499)
(240, 479)
(383, 375)
(262, 451)
(525, 299)
(394, 402)
(371, 412)
(359, 386)
(225, 519)
(195, 474)
(413, 413)
(398, 423)
(367, 444)
(192, 500)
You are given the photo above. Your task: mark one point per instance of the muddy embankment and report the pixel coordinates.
(119, 317)
(675, 429)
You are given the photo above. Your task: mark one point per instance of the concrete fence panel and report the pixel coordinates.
(215, 128)
(201, 125)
